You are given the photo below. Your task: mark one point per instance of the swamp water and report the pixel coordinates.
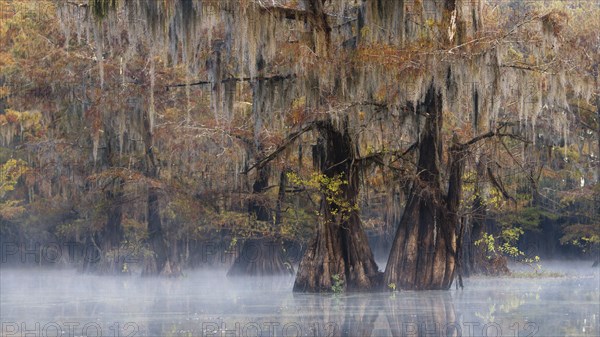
(206, 303)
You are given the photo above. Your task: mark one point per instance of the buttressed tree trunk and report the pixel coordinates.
(340, 248)
(160, 262)
(261, 255)
(110, 259)
(423, 254)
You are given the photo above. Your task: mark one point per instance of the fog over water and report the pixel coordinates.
(206, 303)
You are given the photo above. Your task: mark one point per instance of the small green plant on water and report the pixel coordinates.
(338, 284)
(392, 287)
(536, 274)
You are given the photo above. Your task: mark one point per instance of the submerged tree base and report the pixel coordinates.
(339, 258)
(261, 257)
(423, 255)
(338, 255)
(168, 269)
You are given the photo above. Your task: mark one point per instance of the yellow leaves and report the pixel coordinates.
(365, 32)
(12, 116)
(381, 94)
(361, 116)
(298, 111)
(514, 54)
(11, 209)
(10, 172)
(29, 121)
(171, 113)
(6, 61)
(4, 92)
(332, 189)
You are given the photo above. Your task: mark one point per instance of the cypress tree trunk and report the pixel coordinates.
(340, 247)
(108, 259)
(160, 263)
(262, 255)
(112, 234)
(108, 240)
(597, 261)
(423, 254)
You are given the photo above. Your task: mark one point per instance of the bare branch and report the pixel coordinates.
(236, 79)
(491, 134)
(499, 185)
(377, 156)
(289, 140)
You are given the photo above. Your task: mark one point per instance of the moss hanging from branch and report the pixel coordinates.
(102, 8)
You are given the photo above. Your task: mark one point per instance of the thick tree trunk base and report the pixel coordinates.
(340, 252)
(423, 253)
(339, 258)
(159, 263)
(104, 261)
(169, 269)
(107, 264)
(111, 263)
(261, 257)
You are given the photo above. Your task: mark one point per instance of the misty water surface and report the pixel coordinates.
(206, 303)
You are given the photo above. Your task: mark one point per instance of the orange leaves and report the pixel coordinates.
(554, 22)
(384, 55)
(399, 60)
(297, 114)
(28, 122)
(12, 116)
(4, 92)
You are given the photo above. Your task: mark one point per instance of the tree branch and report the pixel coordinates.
(491, 134)
(377, 156)
(499, 185)
(289, 140)
(235, 79)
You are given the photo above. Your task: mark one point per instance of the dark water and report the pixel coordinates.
(55, 303)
